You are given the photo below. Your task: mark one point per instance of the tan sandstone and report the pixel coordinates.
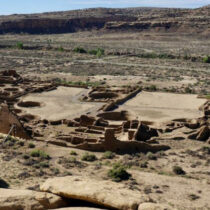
(78, 208)
(154, 206)
(28, 200)
(105, 193)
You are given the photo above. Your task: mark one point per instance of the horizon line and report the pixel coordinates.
(88, 8)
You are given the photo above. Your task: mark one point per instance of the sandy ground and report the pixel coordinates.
(157, 181)
(160, 107)
(62, 103)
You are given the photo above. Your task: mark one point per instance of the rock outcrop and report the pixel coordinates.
(104, 193)
(78, 208)
(27, 199)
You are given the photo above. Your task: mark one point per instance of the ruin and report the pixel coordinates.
(9, 120)
(106, 130)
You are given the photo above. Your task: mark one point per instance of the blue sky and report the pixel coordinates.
(34, 6)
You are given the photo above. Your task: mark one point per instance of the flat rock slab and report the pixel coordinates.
(27, 199)
(155, 206)
(104, 193)
(78, 208)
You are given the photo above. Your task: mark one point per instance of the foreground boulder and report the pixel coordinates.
(27, 199)
(105, 193)
(78, 208)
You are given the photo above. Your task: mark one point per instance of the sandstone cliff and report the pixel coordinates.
(134, 19)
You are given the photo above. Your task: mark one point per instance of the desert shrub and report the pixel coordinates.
(189, 90)
(193, 197)
(26, 157)
(166, 56)
(40, 153)
(44, 165)
(92, 52)
(149, 55)
(206, 150)
(152, 88)
(60, 49)
(151, 156)
(10, 141)
(73, 153)
(89, 157)
(79, 50)
(19, 45)
(108, 155)
(98, 52)
(143, 164)
(21, 143)
(3, 184)
(206, 59)
(178, 170)
(118, 173)
(31, 145)
(56, 171)
(72, 160)
(154, 55)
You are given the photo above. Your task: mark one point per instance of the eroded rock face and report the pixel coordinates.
(154, 19)
(203, 134)
(27, 199)
(104, 193)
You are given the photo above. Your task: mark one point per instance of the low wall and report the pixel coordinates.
(114, 104)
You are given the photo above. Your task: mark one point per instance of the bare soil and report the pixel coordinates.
(160, 107)
(62, 103)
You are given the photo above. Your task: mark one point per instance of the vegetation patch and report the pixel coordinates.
(73, 153)
(40, 153)
(206, 150)
(118, 173)
(19, 45)
(178, 170)
(206, 59)
(80, 83)
(108, 155)
(207, 96)
(42, 165)
(60, 49)
(89, 157)
(98, 52)
(151, 156)
(31, 145)
(79, 50)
